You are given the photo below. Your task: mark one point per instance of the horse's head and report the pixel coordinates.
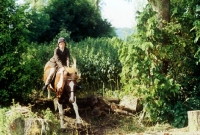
(71, 77)
(66, 83)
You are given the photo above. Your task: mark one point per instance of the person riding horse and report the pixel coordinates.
(60, 59)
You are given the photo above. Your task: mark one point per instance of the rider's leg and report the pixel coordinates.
(49, 78)
(60, 82)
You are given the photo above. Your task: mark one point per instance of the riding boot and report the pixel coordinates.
(47, 83)
(78, 87)
(44, 87)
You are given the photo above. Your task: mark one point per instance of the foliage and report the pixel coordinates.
(104, 62)
(7, 116)
(98, 62)
(3, 120)
(12, 27)
(22, 62)
(163, 94)
(180, 113)
(20, 74)
(37, 23)
(16, 111)
(79, 17)
(48, 115)
(12, 46)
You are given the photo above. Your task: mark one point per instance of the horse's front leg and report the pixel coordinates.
(60, 109)
(78, 118)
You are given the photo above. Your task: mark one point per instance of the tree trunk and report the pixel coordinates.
(194, 120)
(97, 5)
(162, 7)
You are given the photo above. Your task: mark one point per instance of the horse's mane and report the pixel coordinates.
(73, 69)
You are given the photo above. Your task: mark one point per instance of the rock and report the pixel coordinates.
(194, 120)
(16, 127)
(37, 126)
(130, 103)
(30, 126)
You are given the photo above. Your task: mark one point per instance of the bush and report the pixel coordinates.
(98, 62)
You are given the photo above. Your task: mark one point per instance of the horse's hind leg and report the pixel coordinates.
(78, 118)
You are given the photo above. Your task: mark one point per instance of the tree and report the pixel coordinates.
(12, 26)
(38, 23)
(166, 94)
(162, 8)
(13, 70)
(37, 4)
(79, 17)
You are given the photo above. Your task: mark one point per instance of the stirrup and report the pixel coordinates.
(78, 87)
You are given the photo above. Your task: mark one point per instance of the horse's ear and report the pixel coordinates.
(79, 75)
(74, 60)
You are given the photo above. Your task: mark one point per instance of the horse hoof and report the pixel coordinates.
(62, 130)
(62, 127)
(79, 125)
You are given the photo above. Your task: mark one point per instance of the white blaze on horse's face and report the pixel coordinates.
(71, 85)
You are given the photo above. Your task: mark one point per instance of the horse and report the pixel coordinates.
(64, 85)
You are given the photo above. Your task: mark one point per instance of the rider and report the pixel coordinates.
(60, 59)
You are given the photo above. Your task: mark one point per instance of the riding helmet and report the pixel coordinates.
(61, 40)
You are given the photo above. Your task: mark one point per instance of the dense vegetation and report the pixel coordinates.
(23, 27)
(166, 95)
(159, 63)
(79, 17)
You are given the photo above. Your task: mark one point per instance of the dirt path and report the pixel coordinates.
(97, 122)
(114, 124)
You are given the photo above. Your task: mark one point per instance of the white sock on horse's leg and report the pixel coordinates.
(49, 94)
(78, 119)
(55, 102)
(60, 108)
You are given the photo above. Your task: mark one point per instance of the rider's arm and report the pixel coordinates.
(57, 59)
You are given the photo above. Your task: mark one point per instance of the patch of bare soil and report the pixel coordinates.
(115, 124)
(99, 120)
(94, 123)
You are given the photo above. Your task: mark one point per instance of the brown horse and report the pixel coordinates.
(64, 85)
